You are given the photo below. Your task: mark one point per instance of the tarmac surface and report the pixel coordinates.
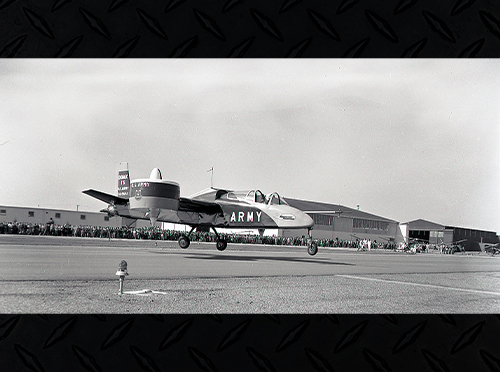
(40, 274)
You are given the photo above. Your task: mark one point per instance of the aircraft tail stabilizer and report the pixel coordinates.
(107, 198)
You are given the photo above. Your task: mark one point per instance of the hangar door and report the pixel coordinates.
(419, 234)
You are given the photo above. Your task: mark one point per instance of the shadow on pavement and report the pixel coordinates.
(216, 257)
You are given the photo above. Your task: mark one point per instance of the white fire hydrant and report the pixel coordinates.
(122, 272)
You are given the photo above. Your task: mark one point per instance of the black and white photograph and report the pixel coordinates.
(250, 186)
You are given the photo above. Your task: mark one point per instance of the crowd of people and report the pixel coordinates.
(156, 233)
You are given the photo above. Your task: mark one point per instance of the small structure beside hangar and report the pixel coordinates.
(434, 233)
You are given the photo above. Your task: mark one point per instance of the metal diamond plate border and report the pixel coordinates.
(239, 28)
(250, 342)
(251, 29)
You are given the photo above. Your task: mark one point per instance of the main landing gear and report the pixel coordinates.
(312, 247)
(184, 240)
(221, 245)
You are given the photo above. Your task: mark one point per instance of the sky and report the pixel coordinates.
(403, 139)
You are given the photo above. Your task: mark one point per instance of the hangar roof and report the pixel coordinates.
(318, 207)
(421, 224)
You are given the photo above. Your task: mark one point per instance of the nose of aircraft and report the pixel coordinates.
(308, 221)
(300, 219)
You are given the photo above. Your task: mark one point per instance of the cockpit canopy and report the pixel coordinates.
(256, 196)
(274, 198)
(271, 199)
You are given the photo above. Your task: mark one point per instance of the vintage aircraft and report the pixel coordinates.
(158, 200)
(492, 249)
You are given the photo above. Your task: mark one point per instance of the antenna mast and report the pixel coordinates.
(212, 179)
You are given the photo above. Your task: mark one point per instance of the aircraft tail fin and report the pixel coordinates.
(123, 180)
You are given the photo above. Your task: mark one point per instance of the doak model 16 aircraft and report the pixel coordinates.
(158, 200)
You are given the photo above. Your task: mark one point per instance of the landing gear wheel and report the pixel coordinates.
(312, 249)
(221, 245)
(184, 242)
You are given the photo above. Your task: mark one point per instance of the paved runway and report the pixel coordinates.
(77, 275)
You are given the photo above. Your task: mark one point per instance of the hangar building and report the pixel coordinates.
(62, 217)
(332, 221)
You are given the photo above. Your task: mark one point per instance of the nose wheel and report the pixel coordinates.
(312, 247)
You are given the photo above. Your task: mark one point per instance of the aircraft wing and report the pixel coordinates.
(107, 198)
(199, 206)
